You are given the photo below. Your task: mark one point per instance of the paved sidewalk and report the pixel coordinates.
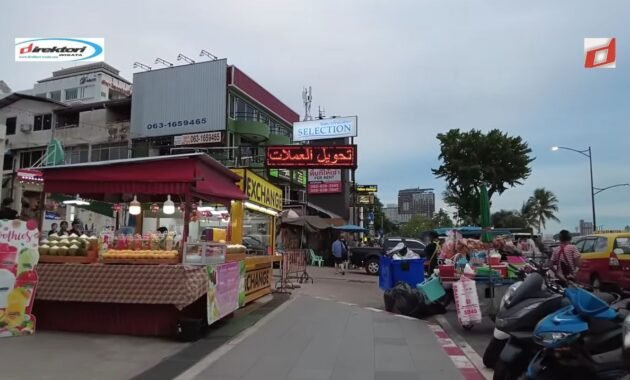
(352, 275)
(313, 339)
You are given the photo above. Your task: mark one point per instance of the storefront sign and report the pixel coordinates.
(30, 176)
(293, 156)
(198, 138)
(280, 173)
(259, 191)
(300, 177)
(226, 291)
(295, 176)
(365, 199)
(334, 128)
(19, 255)
(324, 181)
(367, 189)
(256, 280)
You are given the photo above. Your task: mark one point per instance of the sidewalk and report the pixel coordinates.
(313, 339)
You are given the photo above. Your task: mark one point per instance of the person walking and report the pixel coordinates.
(432, 250)
(565, 259)
(340, 251)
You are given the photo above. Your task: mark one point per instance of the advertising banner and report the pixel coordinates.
(59, 49)
(226, 289)
(313, 157)
(19, 255)
(334, 128)
(324, 181)
(367, 189)
(198, 138)
(259, 190)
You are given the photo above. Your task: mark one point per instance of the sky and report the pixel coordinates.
(408, 69)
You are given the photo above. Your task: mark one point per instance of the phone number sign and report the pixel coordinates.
(198, 138)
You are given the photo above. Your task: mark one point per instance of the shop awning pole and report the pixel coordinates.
(187, 211)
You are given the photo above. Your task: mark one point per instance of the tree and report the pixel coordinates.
(544, 205)
(508, 219)
(416, 226)
(380, 220)
(527, 213)
(442, 219)
(470, 159)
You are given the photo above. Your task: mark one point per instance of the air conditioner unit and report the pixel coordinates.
(26, 128)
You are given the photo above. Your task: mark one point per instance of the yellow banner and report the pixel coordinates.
(259, 191)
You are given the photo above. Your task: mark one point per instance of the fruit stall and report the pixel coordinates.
(143, 281)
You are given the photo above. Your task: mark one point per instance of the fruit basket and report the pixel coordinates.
(68, 249)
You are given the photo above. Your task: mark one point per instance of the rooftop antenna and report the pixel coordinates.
(321, 112)
(181, 56)
(307, 98)
(165, 63)
(142, 66)
(207, 54)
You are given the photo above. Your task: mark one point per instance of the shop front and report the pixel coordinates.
(254, 225)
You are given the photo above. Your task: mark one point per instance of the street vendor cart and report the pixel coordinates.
(146, 291)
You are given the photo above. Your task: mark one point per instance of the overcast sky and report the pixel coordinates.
(408, 69)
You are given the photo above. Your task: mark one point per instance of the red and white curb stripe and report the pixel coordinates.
(458, 357)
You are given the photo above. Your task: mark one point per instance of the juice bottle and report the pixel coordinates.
(17, 301)
(27, 281)
(169, 242)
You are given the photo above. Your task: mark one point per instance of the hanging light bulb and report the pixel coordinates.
(135, 208)
(169, 206)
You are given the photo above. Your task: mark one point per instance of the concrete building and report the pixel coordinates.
(586, 228)
(95, 82)
(416, 202)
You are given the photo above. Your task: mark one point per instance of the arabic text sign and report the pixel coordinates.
(291, 156)
(334, 128)
(198, 138)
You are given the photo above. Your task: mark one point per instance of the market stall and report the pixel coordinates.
(134, 282)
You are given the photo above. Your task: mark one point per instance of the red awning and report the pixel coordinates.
(197, 174)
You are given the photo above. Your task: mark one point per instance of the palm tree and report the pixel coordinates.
(527, 214)
(543, 206)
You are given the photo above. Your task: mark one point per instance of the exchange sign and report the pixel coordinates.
(322, 157)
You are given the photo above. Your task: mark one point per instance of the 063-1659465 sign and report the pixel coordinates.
(177, 123)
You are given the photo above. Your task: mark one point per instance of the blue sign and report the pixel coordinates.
(371, 217)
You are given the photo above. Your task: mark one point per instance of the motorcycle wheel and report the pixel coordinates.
(506, 371)
(492, 352)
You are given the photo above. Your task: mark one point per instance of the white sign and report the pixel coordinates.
(59, 49)
(339, 127)
(198, 138)
(324, 175)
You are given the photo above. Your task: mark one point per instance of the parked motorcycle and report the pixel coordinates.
(584, 340)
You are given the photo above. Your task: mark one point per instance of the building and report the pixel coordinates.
(586, 228)
(416, 202)
(95, 82)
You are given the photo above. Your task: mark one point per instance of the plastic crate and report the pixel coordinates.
(393, 271)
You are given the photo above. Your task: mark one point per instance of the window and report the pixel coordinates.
(10, 122)
(231, 105)
(601, 244)
(42, 122)
(29, 158)
(110, 152)
(580, 245)
(589, 246)
(72, 93)
(86, 92)
(77, 154)
(620, 242)
(8, 162)
(55, 95)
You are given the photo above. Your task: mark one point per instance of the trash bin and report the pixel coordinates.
(392, 271)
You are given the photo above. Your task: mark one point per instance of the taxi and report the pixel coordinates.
(605, 260)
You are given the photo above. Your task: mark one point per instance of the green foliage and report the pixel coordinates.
(472, 158)
(442, 219)
(508, 219)
(416, 226)
(542, 206)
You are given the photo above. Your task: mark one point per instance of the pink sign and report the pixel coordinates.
(324, 188)
(226, 289)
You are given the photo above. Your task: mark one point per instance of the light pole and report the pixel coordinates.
(594, 190)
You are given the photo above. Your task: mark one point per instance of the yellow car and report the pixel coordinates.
(605, 260)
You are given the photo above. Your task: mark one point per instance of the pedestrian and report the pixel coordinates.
(339, 251)
(7, 212)
(565, 259)
(53, 229)
(63, 228)
(432, 250)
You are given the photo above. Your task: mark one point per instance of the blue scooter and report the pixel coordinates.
(581, 341)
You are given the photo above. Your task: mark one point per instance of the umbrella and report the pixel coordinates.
(350, 228)
(484, 207)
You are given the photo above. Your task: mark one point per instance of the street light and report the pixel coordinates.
(594, 190)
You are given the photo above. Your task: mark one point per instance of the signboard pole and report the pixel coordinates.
(353, 216)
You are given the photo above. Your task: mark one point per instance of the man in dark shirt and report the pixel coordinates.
(432, 250)
(6, 212)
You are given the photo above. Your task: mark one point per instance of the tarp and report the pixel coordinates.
(197, 174)
(350, 228)
(312, 223)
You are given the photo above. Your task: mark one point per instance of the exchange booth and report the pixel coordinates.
(254, 226)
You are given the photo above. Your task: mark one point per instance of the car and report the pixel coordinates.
(605, 261)
(369, 257)
(254, 246)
